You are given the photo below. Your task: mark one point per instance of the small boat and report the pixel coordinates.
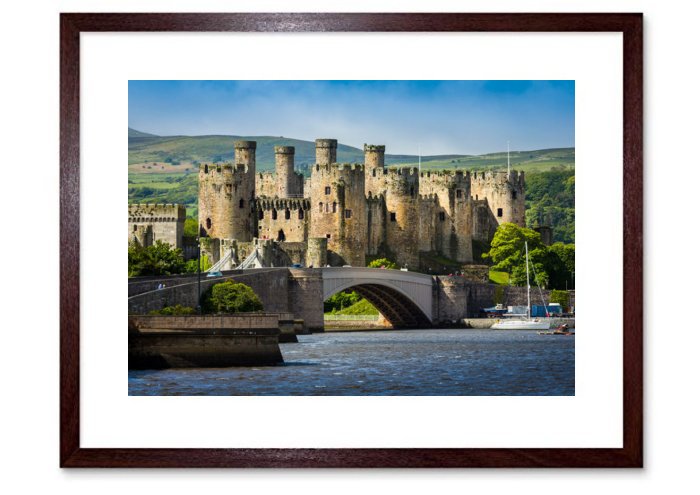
(528, 323)
(560, 330)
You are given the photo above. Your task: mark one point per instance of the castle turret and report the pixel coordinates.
(284, 167)
(326, 151)
(374, 169)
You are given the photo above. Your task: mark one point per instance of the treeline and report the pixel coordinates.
(550, 200)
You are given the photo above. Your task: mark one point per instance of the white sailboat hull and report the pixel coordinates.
(521, 325)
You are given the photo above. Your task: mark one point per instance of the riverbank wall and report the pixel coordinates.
(244, 339)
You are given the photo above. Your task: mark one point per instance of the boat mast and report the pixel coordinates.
(508, 158)
(527, 277)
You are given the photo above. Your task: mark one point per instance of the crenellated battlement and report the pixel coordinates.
(375, 148)
(245, 145)
(428, 198)
(339, 169)
(156, 212)
(278, 204)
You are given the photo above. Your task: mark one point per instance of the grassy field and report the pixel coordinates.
(362, 307)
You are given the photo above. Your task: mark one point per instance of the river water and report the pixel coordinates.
(389, 362)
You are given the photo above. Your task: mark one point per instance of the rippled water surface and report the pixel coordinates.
(408, 362)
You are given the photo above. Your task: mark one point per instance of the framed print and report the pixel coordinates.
(351, 240)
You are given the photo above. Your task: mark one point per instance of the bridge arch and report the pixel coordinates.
(405, 299)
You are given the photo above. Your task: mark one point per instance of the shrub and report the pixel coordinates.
(231, 297)
(173, 310)
(383, 263)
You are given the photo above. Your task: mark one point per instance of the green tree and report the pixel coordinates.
(383, 263)
(561, 264)
(191, 265)
(507, 254)
(230, 297)
(191, 227)
(561, 297)
(157, 259)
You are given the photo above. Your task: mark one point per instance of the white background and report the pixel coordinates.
(109, 418)
(29, 109)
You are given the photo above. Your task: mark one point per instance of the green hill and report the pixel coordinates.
(183, 151)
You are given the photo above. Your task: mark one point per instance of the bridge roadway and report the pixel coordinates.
(406, 299)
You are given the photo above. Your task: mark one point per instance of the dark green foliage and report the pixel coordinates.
(173, 311)
(383, 263)
(549, 266)
(191, 265)
(561, 297)
(158, 259)
(550, 200)
(230, 297)
(191, 227)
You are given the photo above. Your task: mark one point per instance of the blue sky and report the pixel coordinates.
(440, 117)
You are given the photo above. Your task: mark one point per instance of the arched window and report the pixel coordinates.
(287, 214)
(261, 214)
(320, 207)
(241, 203)
(335, 205)
(328, 189)
(206, 169)
(274, 214)
(374, 172)
(208, 223)
(280, 236)
(500, 212)
(301, 214)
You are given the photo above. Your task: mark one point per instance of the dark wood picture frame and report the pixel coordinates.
(71, 453)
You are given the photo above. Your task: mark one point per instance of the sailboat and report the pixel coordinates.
(529, 323)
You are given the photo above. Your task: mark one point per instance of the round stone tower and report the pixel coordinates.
(402, 229)
(216, 200)
(326, 151)
(244, 190)
(505, 193)
(226, 196)
(339, 212)
(284, 167)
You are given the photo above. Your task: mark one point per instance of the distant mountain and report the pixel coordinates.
(135, 133)
(147, 148)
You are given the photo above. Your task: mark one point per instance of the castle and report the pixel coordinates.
(341, 215)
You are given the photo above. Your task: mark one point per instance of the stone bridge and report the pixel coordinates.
(405, 299)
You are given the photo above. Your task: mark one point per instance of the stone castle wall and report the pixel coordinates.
(358, 209)
(151, 222)
(283, 219)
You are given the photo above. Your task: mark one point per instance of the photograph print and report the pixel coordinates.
(351, 238)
